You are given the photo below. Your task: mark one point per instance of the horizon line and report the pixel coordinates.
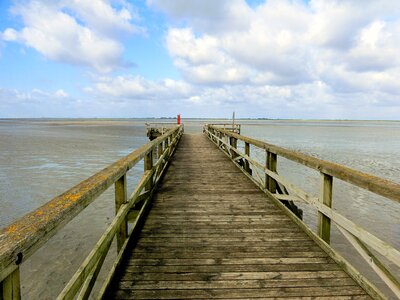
(191, 118)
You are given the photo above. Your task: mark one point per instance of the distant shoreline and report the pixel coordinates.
(194, 119)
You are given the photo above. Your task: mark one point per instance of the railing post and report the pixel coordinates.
(233, 143)
(10, 288)
(148, 165)
(324, 222)
(160, 149)
(247, 152)
(271, 164)
(166, 143)
(120, 199)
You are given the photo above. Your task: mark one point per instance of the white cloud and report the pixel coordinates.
(280, 58)
(138, 88)
(335, 24)
(75, 32)
(346, 48)
(15, 103)
(377, 47)
(306, 100)
(207, 15)
(100, 16)
(38, 96)
(10, 34)
(202, 60)
(61, 94)
(271, 47)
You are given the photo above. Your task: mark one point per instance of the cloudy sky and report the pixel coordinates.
(201, 58)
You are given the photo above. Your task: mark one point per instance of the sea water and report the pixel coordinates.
(40, 159)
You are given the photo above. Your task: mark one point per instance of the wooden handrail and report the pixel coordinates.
(357, 236)
(377, 185)
(232, 127)
(22, 238)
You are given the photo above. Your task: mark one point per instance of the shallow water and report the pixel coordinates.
(371, 147)
(40, 159)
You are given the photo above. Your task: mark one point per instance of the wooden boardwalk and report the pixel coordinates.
(211, 233)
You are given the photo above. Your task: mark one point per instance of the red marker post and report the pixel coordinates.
(179, 119)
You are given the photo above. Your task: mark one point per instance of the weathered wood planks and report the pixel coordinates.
(211, 233)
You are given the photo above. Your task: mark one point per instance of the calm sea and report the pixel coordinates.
(40, 159)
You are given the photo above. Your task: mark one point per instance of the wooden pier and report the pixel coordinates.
(211, 233)
(207, 220)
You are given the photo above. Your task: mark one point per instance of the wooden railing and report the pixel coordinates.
(22, 238)
(156, 129)
(233, 127)
(361, 239)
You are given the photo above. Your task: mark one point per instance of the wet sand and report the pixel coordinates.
(42, 158)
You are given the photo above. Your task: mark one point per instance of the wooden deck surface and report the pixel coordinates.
(211, 233)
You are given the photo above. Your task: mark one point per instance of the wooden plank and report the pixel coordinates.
(268, 223)
(232, 244)
(276, 215)
(118, 260)
(246, 162)
(388, 278)
(380, 246)
(135, 198)
(233, 142)
(206, 230)
(287, 197)
(120, 199)
(369, 239)
(11, 287)
(90, 281)
(227, 261)
(232, 268)
(256, 236)
(290, 248)
(253, 215)
(361, 280)
(227, 224)
(207, 211)
(221, 238)
(191, 254)
(148, 165)
(272, 166)
(250, 237)
(234, 283)
(159, 150)
(324, 222)
(238, 293)
(227, 240)
(111, 274)
(196, 276)
(103, 244)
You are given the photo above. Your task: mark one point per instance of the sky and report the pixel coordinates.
(318, 59)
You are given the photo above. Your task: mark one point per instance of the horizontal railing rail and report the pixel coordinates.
(161, 124)
(278, 188)
(233, 127)
(155, 129)
(21, 239)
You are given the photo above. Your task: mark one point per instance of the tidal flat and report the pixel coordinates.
(41, 158)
